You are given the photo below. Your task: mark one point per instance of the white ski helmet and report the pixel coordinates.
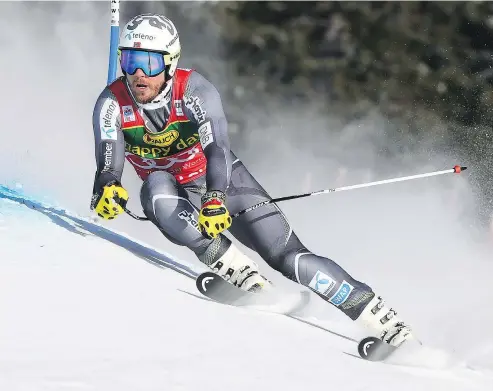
(155, 33)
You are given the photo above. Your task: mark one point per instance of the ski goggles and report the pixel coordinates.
(151, 63)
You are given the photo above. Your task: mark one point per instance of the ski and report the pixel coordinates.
(374, 349)
(219, 290)
(216, 288)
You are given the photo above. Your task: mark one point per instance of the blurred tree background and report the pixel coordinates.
(427, 66)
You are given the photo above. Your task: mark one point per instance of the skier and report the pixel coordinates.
(169, 124)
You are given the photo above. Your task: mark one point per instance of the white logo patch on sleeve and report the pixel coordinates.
(107, 119)
(205, 134)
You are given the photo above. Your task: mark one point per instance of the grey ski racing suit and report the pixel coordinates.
(173, 206)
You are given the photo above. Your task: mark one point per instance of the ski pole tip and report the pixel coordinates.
(459, 169)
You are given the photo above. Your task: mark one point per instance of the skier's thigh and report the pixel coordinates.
(167, 205)
(264, 230)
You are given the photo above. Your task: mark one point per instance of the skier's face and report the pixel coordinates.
(145, 88)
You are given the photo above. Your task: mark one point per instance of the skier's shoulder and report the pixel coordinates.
(195, 81)
(111, 96)
(106, 95)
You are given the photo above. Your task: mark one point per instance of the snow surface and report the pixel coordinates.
(83, 310)
(83, 306)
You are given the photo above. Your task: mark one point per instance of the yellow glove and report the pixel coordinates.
(214, 216)
(105, 204)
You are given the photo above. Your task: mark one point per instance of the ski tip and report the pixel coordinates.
(203, 280)
(366, 346)
(374, 349)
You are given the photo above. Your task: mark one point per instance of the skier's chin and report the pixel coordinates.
(144, 94)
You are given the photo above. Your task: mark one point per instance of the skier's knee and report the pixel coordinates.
(284, 263)
(157, 183)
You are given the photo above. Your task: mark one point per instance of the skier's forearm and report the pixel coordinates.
(108, 140)
(218, 167)
(110, 157)
(203, 105)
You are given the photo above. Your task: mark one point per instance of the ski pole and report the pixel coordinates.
(123, 204)
(131, 214)
(455, 170)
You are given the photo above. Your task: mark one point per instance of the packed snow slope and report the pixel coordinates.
(82, 310)
(85, 307)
